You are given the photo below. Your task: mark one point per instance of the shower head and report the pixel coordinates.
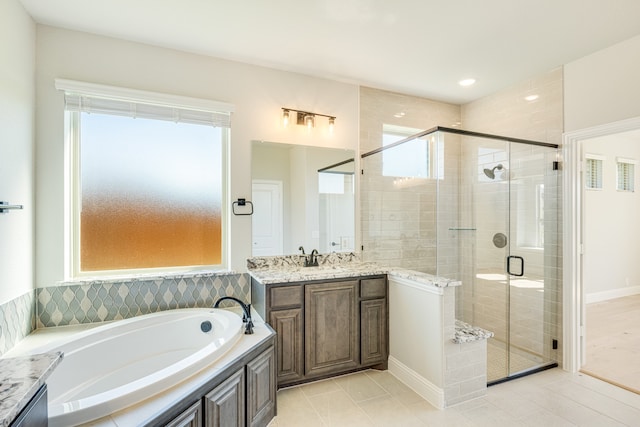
(491, 173)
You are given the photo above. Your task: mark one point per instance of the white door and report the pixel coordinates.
(267, 218)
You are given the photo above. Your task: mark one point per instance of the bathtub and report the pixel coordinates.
(119, 364)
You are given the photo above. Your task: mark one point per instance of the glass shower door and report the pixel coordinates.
(530, 264)
(510, 198)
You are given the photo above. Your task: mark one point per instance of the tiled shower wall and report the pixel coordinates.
(538, 311)
(399, 216)
(104, 300)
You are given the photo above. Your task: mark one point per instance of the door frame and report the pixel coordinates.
(573, 306)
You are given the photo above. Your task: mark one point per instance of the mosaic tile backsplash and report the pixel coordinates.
(100, 301)
(17, 320)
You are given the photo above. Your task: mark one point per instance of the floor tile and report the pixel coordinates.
(372, 398)
(360, 387)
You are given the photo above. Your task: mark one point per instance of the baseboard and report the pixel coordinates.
(611, 294)
(427, 390)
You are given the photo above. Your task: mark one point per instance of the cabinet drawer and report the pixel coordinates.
(373, 288)
(286, 296)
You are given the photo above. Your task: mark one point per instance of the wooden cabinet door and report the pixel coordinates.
(192, 417)
(332, 339)
(261, 389)
(373, 327)
(224, 406)
(289, 328)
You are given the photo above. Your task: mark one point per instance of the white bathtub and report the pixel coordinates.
(116, 365)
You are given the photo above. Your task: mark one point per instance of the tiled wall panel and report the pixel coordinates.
(100, 301)
(17, 320)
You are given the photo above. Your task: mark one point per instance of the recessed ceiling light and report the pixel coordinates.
(466, 82)
(399, 115)
(531, 98)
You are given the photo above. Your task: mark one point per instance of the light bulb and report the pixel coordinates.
(285, 118)
(308, 120)
(332, 124)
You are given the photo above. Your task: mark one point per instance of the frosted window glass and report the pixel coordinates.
(151, 193)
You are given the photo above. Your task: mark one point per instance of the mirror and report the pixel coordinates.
(302, 196)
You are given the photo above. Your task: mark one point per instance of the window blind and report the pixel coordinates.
(93, 98)
(625, 176)
(593, 175)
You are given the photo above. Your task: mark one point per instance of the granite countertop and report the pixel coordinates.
(467, 333)
(293, 274)
(291, 269)
(20, 379)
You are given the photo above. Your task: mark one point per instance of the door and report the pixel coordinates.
(532, 260)
(513, 242)
(267, 218)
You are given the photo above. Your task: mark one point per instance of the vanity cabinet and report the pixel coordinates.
(285, 316)
(374, 320)
(243, 396)
(192, 417)
(331, 332)
(224, 406)
(325, 328)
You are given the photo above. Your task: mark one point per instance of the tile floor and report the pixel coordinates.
(613, 341)
(373, 398)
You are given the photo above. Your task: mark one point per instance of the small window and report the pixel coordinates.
(626, 174)
(419, 158)
(593, 172)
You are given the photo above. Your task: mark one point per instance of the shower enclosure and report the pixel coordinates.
(482, 209)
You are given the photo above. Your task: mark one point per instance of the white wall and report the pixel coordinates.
(257, 93)
(611, 227)
(603, 87)
(17, 104)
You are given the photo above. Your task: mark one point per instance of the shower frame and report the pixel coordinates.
(550, 357)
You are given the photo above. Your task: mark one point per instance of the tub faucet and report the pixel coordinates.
(246, 317)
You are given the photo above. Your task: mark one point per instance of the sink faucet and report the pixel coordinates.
(310, 260)
(313, 258)
(246, 317)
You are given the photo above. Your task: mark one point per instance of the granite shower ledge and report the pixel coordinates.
(20, 379)
(467, 333)
(423, 278)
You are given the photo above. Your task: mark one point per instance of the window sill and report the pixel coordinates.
(146, 276)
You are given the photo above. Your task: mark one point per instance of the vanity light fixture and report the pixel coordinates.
(305, 118)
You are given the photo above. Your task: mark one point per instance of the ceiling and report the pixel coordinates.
(417, 47)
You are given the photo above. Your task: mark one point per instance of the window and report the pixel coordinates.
(593, 172)
(147, 181)
(412, 159)
(625, 173)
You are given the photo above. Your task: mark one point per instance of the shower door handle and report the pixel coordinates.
(509, 258)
